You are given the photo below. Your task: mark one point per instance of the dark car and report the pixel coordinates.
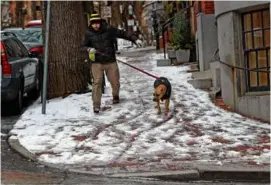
(30, 37)
(19, 71)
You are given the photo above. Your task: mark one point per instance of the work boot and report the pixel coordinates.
(96, 110)
(116, 99)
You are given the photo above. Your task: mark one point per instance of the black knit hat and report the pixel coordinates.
(95, 18)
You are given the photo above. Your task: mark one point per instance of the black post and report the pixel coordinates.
(155, 29)
(164, 40)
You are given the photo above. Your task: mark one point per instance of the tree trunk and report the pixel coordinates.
(67, 72)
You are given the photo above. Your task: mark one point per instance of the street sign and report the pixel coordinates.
(131, 22)
(106, 11)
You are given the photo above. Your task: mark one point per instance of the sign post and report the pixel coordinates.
(45, 65)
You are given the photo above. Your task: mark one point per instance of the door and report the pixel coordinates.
(32, 63)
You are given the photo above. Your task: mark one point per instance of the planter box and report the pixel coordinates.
(171, 54)
(183, 56)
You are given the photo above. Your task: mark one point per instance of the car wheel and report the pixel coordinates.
(18, 102)
(35, 92)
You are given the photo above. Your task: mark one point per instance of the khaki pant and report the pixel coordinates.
(112, 73)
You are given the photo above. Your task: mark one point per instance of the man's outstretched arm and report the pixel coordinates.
(124, 35)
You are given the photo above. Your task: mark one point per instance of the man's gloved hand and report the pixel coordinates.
(139, 43)
(91, 53)
(91, 50)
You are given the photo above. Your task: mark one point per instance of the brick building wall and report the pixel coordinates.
(32, 13)
(207, 7)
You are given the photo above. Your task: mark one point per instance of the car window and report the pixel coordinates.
(29, 35)
(18, 48)
(23, 50)
(11, 50)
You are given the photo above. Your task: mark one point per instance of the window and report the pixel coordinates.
(23, 50)
(256, 37)
(11, 50)
(18, 48)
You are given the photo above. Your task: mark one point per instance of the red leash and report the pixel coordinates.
(141, 70)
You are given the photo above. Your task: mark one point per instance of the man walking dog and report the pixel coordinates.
(99, 42)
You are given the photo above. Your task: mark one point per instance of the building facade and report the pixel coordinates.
(21, 12)
(244, 42)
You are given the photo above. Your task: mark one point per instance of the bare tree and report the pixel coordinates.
(66, 68)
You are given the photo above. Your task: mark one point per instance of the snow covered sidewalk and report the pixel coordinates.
(131, 137)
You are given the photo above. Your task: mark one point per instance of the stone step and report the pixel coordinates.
(201, 80)
(201, 83)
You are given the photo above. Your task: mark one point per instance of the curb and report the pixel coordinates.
(186, 175)
(247, 176)
(231, 173)
(169, 175)
(198, 173)
(14, 143)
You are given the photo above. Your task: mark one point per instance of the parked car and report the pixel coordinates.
(19, 71)
(34, 24)
(30, 37)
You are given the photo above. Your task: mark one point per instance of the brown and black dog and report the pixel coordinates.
(162, 91)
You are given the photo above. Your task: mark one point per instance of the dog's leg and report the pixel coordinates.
(154, 98)
(167, 105)
(158, 106)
